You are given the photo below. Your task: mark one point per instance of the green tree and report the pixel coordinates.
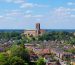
(20, 51)
(41, 62)
(3, 58)
(16, 61)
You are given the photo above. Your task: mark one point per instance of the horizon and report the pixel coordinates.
(24, 14)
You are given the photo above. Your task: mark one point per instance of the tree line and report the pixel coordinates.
(67, 37)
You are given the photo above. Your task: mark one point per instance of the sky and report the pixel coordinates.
(24, 14)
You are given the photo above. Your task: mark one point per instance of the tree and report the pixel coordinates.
(17, 55)
(41, 62)
(16, 61)
(20, 51)
(3, 58)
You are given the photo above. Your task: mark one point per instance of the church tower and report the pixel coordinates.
(37, 28)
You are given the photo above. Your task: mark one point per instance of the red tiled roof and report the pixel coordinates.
(44, 51)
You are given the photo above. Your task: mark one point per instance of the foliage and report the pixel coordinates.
(20, 51)
(16, 55)
(41, 62)
(10, 35)
(19, 55)
(67, 37)
(16, 61)
(3, 58)
(71, 50)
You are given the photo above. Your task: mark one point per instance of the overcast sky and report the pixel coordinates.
(23, 14)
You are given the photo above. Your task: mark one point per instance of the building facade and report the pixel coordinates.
(35, 32)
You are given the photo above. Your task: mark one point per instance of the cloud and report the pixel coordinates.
(15, 1)
(60, 12)
(13, 13)
(1, 16)
(63, 12)
(28, 11)
(19, 1)
(26, 5)
(28, 16)
(71, 3)
(73, 15)
(38, 19)
(8, 1)
(38, 16)
(40, 5)
(16, 14)
(5, 18)
(33, 16)
(31, 5)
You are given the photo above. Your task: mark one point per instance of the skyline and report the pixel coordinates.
(24, 14)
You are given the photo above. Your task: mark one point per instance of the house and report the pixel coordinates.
(60, 53)
(51, 63)
(33, 57)
(73, 62)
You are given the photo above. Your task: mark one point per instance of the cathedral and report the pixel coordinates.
(35, 32)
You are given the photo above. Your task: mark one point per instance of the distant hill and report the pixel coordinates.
(60, 30)
(47, 30)
(12, 30)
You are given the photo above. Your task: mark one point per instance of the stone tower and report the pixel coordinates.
(37, 28)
